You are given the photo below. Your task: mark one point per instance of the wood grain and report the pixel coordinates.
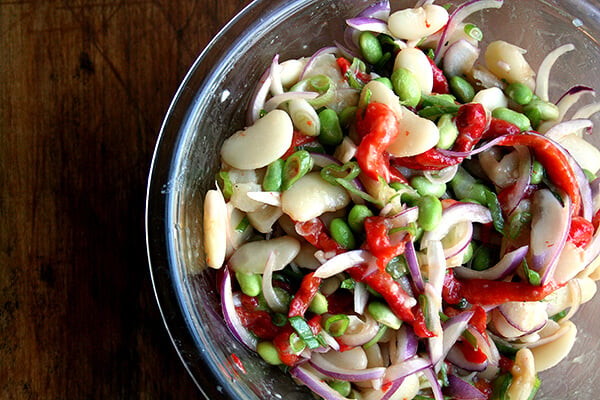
(84, 85)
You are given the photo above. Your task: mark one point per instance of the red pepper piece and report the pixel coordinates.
(314, 232)
(315, 324)
(258, 322)
(580, 232)
(419, 325)
(282, 344)
(554, 161)
(479, 319)
(345, 69)
(304, 295)
(471, 354)
(378, 241)
(440, 83)
(298, 140)
(385, 285)
(451, 289)
(596, 219)
(499, 127)
(471, 122)
(486, 292)
(378, 127)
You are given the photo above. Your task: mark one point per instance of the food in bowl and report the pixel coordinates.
(402, 220)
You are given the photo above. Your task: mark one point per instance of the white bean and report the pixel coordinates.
(239, 197)
(355, 358)
(264, 217)
(415, 23)
(312, 196)
(306, 257)
(507, 62)
(252, 257)
(417, 135)
(524, 378)
(585, 153)
(570, 262)
(290, 71)
(548, 355)
(260, 144)
(491, 98)
(416, 61)
(380, 93)
(235, 237)
(215, 228)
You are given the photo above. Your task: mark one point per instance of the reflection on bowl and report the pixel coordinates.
(211, 104)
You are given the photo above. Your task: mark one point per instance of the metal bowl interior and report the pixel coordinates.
(211, 104)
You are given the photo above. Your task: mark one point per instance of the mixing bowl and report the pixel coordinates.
(211, 104)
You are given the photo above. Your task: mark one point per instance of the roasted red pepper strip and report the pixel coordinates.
(419, 325)
(314, 232)
(304, 295)
(486, 292)
(554, 161)
(345, 69)
(471, 354)
(378, 241)
(471, 123)
(580, 232)
(385, 285)
(479, 319)
(440, 83)
(282, 344)
(298, 140)
(499, 127)
(378, 127)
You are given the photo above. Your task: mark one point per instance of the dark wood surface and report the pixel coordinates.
(84, 85)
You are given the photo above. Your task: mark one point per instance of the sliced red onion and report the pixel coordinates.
(314, 383)
(462, 12)
(368, 24)
(406, 344)
(276, 85)
(570, 97)
(342, 262)
(330, 340)
(543, 75)
(323, 160)
(361, 297)
(405, 368)
(232, 319)
(460, 389)
(505, 267)
(313, 58)
(259, 97)
(351, 40)
(460, 244)
(526, 317)
(487, 346)
(380, 10)
(565, 128)
(454, 214)
(273, 301)
(457, 357)
(460, 58)
(435, 384)
(359, 332)
(587, 111)
(453, 329)
(345, 51)
(389, 393)
(404, 218)
(518, 189)
(442, 176)
(325, 367)
(270, 198)
(550, 225)
(413, 266)
(279, 99)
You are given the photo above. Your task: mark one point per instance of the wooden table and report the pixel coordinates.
(84, 85)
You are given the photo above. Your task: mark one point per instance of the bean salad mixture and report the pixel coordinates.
(407, 215)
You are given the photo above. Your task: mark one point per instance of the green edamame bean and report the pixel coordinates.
(370, 47)
(516, 118)
(409, 195)
(268, 352)
(424, 186)
(331, 131)
(545, 110)
(319, 304)
(386, 81)
(342, 387)
(430, 212)
(519, 93)
(296, 166)
(537, 172)
(357, 216)
(462, 89)
(251, 284)
(406, 87)
(341, 233)
(273, 176)
(347, 116)
(448, 131)
(384, 315)
(468, 254)
(482, 258)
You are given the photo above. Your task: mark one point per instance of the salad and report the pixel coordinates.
(407, 214)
